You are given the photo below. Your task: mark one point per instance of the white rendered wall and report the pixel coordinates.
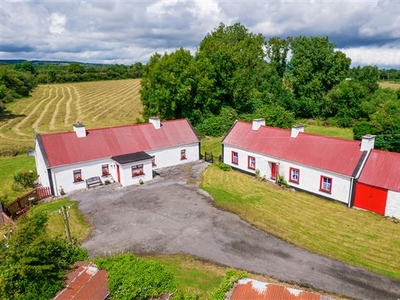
(309, 177)
(168, 157)
(393, 204)
(125, 171)
(41, 168)
(64, 177)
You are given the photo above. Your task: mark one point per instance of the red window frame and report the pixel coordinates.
(273, 170)
(105, 170)
(183, 154)
(137, 170)
(77, 175)
(292, 175)
(153, 161)
(323, 184)
(233, 155)
(251, 162)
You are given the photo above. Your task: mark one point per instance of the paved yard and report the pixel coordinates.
(171, 216)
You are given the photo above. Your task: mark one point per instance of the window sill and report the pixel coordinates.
(137, 175)
(251, 168)
(294, 181)
(235, 163)
(78, 181)
(325, 191)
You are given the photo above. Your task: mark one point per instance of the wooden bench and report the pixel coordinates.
(93, 181)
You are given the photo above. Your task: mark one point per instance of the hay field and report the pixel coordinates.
(391, 85)
(55, 107)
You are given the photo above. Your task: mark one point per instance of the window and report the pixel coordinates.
(325, 184)
(294, 175)
(235, 158)
(77, 175)
(137, 170)
(183, 154)
(153, 161)
(104, 170)
(251, 162)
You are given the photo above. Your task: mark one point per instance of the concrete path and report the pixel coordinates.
(170, 216)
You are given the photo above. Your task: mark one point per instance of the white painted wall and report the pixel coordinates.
(168, 157)
(309, 177)
(64, 177)
(393, 204)
(41, 168)
(126, 172)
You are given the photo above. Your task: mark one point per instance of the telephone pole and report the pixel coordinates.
(66, 223)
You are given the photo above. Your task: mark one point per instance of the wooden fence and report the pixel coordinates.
(22, 204)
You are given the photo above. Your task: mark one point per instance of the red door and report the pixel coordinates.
(118, 175)
(273, 170)
(370, 198)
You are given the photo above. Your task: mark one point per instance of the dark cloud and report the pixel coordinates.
(130, 31)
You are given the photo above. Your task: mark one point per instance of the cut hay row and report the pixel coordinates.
(55, 107)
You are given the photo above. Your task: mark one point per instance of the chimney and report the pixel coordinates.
(257, 123)
(156, 122)
(296, 129)
(367, 142)
(79, 129)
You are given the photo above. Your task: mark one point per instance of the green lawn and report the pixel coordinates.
(9, 166)
(329, 228)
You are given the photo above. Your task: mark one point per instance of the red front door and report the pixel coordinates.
(273, 170)
(118, 174)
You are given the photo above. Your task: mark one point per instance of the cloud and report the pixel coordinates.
(131, 30)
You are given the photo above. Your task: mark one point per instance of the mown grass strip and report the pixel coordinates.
(329, 228)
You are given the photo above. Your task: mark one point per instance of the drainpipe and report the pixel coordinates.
(353, 183)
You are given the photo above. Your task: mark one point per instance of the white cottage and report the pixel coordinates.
(73, 160)
(324, 166)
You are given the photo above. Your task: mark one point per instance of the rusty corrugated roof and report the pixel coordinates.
(382, 169)
(85, 283)
(250, 289)
(66, 148)
(328, 153)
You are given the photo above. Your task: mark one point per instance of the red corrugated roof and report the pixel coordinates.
(257, 290)
(66, 148)
(382, 170)
(327, 153)
(84, 283)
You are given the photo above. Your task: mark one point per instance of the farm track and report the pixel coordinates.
(55, 107)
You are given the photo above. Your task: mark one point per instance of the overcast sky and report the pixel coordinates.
(130, 31)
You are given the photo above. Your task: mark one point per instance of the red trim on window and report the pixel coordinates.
(291, 177)
(325, 185)
(249, 158)
(237, 158)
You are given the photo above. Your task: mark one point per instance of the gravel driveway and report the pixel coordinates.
(170, 215)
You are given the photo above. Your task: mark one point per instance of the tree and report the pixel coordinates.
(277, 51)
(383, 120)
(241, 75)
(32, 265)
(368, 76)
(343, 102)
(314, 69)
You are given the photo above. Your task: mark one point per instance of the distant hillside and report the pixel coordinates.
(47, 62)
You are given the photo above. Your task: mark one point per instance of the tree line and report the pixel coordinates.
(236, 74)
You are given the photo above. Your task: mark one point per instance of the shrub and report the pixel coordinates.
(224, 166)
(231, 277)
(25, 179)
(130, 277)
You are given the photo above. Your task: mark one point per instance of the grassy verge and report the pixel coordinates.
(211, 144)
(79, 228)
(9, 166)
(355, 237)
